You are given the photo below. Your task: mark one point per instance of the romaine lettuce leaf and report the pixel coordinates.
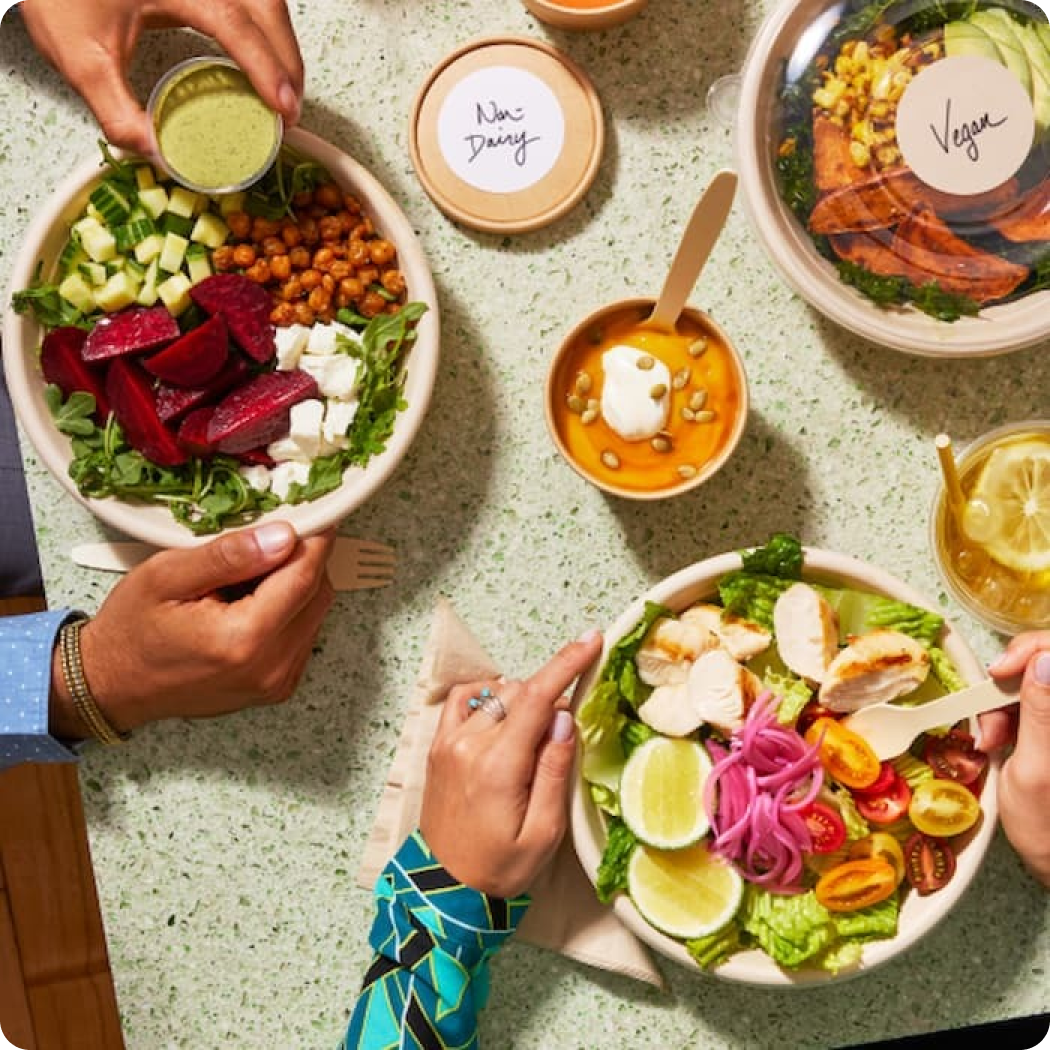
(781, 556)
(860, 612)
(793, 693)
(842, 800)
(945, 670)
(752, 595)
(605, 798)
(716, 947)
(600, 722)
(632, 734)
(620, 667)
(912, 769)
(874, 923)
(789, 929)
(612, 869)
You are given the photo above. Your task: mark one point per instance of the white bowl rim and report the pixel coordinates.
(995, 330)
(154, 524)
(753, 966)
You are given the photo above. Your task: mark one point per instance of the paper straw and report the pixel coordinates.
(952, 485)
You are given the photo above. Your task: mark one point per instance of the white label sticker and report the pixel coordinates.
(965, 125)
(501, 129)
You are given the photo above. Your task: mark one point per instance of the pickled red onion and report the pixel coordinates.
(760, 783)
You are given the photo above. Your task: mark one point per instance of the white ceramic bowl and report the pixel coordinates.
(918, 914)
(995, 330)
(153, 523)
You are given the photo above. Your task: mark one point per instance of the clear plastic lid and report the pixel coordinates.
(911, 143)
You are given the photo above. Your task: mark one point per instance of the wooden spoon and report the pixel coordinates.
(890, 729)
(705, 224)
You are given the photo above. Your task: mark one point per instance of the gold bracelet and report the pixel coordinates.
(76, 683)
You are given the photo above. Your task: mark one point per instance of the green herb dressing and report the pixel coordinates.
(213, 130)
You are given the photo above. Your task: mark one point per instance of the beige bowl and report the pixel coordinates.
(919, 914)
(570, 16)
(152, 523)
(559, 380)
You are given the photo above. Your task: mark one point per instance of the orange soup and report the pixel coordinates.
(705, 402)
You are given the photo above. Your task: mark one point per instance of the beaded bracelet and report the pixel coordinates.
(76, 683)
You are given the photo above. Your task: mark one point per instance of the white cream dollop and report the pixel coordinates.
(627, 402)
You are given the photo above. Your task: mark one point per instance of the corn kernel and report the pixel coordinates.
(860, 52)
(859, 154)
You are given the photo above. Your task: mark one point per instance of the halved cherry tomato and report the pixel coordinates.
(943, 808)
(887, 776)
(856, 884)
(930, 863)
(887, 807)
(826, 827)
(843, 753)
(954, 757)
(885, 847)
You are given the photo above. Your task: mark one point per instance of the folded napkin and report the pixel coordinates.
(565, 915)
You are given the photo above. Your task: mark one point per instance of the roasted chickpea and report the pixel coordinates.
(323, 259)
(342, 300)
(352, 288)
(339, 250)
(240, 224)
(303, 200)
(282, 315)
(319, 299)
(352, 204)
(300, 258)
(357, 253)
(328, 196)
(292, 289)
(308, 231)
(259, 271)
(330, 228)
(310, 279)
(303, 314)
(372, 303)
(262, 228)
(222, 258)
(364, 229)
(280, 267)
(290, 234)
(392, 308)
(243, 256)
(381, 252)
(340, 269)
(317, 212)
(368, 275)
(326, 316)
(273, 246)
(346, 221)
(393, 281)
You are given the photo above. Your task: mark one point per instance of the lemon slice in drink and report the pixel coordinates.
(662, 792)
(1015, 485)
(687, 892)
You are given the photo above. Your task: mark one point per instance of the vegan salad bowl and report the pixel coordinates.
(185, 364)
(723, 809)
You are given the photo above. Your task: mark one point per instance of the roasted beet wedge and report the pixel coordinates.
(257, 457)
(257, 413)
(245, 307)
(62, 365)
(131, 398)
(173, 402)
(193, 433)
(195, 358)
(131, 331)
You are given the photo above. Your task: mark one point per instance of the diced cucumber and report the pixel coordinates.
(93, 273)
(210, 230)
(155, 200)
(148, 292)
(112, 205)
(147, 250)
(135, 269)
(99, 243)
(144, 177)
(173, 252)
(114, 265)
(183, 202)
(74, 289)
(72, 255)
(180, 224)
(230, 202)
(93, 213)
(119, 291)
(175, 293)
(131, 233)
(198, 266)
(89, 222)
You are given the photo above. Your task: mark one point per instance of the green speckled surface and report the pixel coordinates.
(225, 851)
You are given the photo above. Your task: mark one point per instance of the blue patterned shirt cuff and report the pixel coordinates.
(26, 647)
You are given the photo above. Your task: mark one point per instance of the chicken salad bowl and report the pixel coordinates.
(724, 810)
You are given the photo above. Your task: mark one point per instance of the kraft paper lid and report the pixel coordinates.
(506, 134)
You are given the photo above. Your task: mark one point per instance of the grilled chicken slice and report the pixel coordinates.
(741, 638)
(872, 669)
(669, 649)
(721, 690)
(670, 710)
(807, 631)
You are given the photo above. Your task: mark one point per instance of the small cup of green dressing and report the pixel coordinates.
(214, 134)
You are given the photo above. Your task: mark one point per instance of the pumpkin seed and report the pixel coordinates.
(661, 444)
(592, 404)
(681, 378)
(698, 400)
(658, 391)
(707, 416)
(611, 459)
(589, 415)
(688, 415)
(576, 404)
(698, 347)
(687, 471)
(645, 362)
(583, 384)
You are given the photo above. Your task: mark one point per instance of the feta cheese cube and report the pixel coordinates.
(336, 374)
(291, 342)
(322, 339)
(285, 450)
(257, 476)
(305, 426)
(337, 419)
(284, 475)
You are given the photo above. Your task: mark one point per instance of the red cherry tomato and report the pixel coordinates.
(928, 862)
(887, 777)
(888, 806)
(826, 827)
(954, 757)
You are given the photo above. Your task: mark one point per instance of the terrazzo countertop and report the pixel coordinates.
(225, 851)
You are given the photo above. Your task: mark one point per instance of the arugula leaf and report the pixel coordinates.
(273, 196)
(612, 869)
(73, 416)
(46, 305)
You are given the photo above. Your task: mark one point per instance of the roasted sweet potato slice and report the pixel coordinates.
(1029, 220)
(871, 250)
(833, 167)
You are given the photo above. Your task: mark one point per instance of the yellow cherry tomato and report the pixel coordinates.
(844, 754)
(943, 808)
(883, 846)
(856, 884)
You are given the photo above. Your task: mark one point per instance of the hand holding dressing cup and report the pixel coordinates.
(647, 399)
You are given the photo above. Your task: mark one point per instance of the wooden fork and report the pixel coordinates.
(354, 565)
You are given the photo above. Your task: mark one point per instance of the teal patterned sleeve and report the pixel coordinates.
(433, 937)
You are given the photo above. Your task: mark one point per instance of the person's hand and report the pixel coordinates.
(166, 644)
(91, 42)
(494, 805)
(1024, 783)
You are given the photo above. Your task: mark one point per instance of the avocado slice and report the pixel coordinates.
(1000, 27)
(1039, 62)
(964, 38)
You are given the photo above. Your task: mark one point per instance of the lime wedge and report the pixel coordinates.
(686, 893)
(1015, 485)
(662, 792)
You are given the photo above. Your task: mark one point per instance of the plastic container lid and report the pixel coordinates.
(506, 134)
(904, 154)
